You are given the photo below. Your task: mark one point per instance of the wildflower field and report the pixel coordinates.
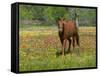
(38, 46)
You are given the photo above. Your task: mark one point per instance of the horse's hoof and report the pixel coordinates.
(58, 54)
(68, 52)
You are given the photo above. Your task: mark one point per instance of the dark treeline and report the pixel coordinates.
(48, 15)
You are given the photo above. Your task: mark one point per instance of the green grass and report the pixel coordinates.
(39, 45)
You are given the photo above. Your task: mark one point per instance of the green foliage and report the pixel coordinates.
(25, 12)
(48, 15)
(53, 12)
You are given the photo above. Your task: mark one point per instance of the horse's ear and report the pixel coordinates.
(57, 19)
(63, 18)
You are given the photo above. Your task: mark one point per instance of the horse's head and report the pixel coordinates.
(60, 24)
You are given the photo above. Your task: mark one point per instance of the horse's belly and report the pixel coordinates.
(69, 34)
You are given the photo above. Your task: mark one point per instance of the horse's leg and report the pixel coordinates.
(69, 45)
(61, 40)
(77, 41)
(73, 42)
(64, 42)
(65, 45)
(61, 37)
(60, 52)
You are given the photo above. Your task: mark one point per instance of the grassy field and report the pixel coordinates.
(39, 45)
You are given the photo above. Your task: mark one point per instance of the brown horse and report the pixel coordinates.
(67, 31)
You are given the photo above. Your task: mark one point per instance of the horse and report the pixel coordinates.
(67, 30)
